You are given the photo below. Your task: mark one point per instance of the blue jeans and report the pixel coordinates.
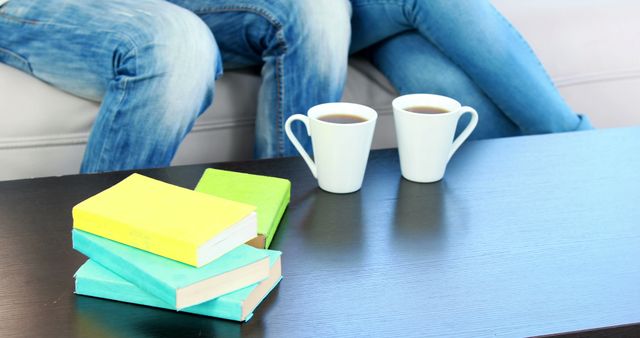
(140, 61)
(302, 46)
(464, 49)
(153, 65)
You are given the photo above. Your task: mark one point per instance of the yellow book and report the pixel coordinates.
(167, 220)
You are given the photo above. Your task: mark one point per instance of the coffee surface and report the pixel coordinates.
(426, 110)
(342, 118)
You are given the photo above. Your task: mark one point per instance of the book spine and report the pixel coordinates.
(278, 218)
(124, 269)
(124, 292)
(220, 308)
(129, 293)
(136, 237)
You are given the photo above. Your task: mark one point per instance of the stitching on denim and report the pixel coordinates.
(123, 95)
(279, 71)
(118, 35)
(33, 22)
(13, 18)
(25, 63)
(253, 9)
(525, 43)
(10, 17)
(260, 12)
(377, 2)
(526, 129)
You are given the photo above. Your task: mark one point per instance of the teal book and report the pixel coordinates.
(94, 280)
(270, 196)
(175, 283)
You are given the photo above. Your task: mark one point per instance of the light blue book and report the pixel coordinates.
(94, 280)
(177, 284)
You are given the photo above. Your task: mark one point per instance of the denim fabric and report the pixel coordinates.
(145, 60)
(464, 49)
(153, 65)
(302, 46)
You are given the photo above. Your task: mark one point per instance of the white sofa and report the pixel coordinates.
(590, 48)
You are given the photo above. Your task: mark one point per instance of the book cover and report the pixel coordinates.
(175, 283)
(167, 220)
(270, 195)
(92, 279)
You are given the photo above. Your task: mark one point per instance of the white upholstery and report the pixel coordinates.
(588, 46)
(591, 50)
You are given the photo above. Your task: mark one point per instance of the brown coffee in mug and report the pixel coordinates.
(426, 110)
(342, 118)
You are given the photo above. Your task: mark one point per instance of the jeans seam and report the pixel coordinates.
(279, 60)
(525, 43)
(123, 96)
(261, 12)
(33, 22)
(526, 129)
(26, 64)
(118, 35)
(376, 2)
(21, 20)
(125, 82)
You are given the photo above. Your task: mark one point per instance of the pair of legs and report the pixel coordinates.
(302, 45)
(464, 49)
(153, 64)
(145, 60)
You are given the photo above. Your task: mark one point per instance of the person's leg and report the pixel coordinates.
(152, 64)
(302, 46)
(427, 70)
(480, 41)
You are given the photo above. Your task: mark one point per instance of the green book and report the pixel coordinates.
(270, 196)
(94, 280)
(176, 283)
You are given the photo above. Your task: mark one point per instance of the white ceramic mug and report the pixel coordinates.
(340, 150)
(425, 141)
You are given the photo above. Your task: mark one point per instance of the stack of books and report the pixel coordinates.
(156, 244)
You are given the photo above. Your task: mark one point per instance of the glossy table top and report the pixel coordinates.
(524, 236)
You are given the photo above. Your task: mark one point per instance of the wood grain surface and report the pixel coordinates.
(524, 236)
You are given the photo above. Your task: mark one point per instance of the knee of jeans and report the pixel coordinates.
(176, 54)
(322, 29)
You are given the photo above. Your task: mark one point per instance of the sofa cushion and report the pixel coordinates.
(45, 130)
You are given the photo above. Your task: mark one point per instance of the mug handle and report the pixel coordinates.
(287, 128)
(467, 131)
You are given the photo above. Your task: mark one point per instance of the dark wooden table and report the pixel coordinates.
(524, 236)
